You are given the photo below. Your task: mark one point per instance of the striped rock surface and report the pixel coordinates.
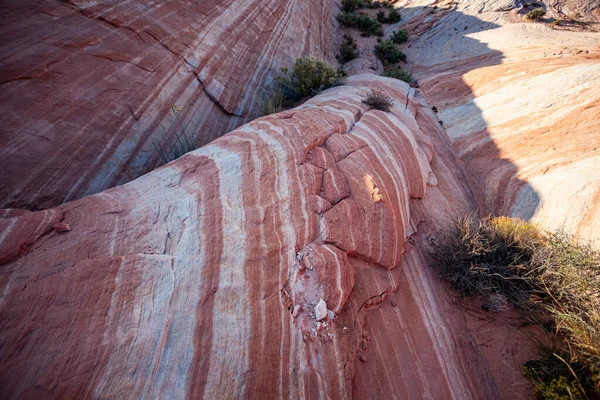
(88, 87)
(206, 277)
(521, 104)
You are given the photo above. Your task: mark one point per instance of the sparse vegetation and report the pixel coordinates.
(307, 77)
(176, 140)
(400, 74)
(272, 102)
(359, 21)
(400, 36)
(536, 14)
(351, 5)
(387, 51)
(378, 101)
(348, 50)
(550, 278)
(391, 18)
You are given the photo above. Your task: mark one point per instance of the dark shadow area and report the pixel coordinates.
(440, 54)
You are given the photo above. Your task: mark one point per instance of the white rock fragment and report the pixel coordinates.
(296, 310)
(330, 314)
(321, 310)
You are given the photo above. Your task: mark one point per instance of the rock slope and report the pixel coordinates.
(251, 266)
(521, 104)
(88, 87)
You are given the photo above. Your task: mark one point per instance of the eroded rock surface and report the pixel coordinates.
(203, 278)
(88, 87)
(521, 104)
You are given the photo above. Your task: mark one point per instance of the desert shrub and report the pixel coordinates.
(351, 5)
(175, 140)
(362, 22)
(387, 51)
(536, 14)
(378, 101)
(400, 36)
(393, 16)
(550, 278)
(307, 77)
(348, 50)
(400, 74)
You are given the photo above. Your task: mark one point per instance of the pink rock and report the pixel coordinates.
(319, 204)
(61, 227)
(335, 187)
(94, 82)
(321, 158)
(195, 265)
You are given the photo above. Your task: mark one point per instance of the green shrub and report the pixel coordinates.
(362, 22)
(351, 5)
(378, 101)
(174, 141)
(307, 77)
(393, 16)
(400, 36)
(550, 278)
(348, 50)
(536, 14)
(387, 51)
(400, 74)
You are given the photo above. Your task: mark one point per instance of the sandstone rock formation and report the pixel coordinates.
(87, 87)
(200, 279)
(520, 102)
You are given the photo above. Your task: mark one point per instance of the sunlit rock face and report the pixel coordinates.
(521, 104)
(286, 259)
(88, 87)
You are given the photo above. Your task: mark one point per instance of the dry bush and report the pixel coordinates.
(378, 101)
(553, 280)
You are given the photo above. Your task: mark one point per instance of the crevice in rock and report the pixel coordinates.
(210, 95)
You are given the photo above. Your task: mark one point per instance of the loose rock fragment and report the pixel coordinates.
(321, 310)
(61, 227)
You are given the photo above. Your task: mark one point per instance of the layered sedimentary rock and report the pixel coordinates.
(251, 267)
(520, 102)
(87, 88)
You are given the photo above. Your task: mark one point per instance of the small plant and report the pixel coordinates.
(400, 36)
(378, 101)
(362, 22)
(536, 14)
(393, 16)
(348, 50)
(273, 101)
(174, 141)
(400, 74)
(351, 5)
(387, 51)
